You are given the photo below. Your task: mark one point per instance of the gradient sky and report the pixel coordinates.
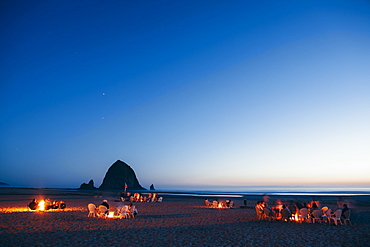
(188, 93)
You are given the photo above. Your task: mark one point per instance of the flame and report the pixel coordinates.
(296, 217)
(111, 214)
(41, 205)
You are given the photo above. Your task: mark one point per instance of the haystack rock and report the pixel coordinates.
(152, 187)
(119, 175)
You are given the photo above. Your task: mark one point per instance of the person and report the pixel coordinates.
(345, 209)
(259, 210)
(48, 204)
(292, 207)
(62, 205)
(55, 205)
(105, 203)
(285, 213)
(132, 210)
(33, 204)
(314, 207)
(206, 202)
(267, 210)
(245, 202)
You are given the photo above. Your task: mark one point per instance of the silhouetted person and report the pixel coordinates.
(345, 208)
(33, 205)
(105, 203)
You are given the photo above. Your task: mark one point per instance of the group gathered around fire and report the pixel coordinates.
(302, 212)
(46, 204)
(123, 209)
(137, 197)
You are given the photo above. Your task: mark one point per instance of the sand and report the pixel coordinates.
(177, 221)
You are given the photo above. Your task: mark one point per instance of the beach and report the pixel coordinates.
(177, 221)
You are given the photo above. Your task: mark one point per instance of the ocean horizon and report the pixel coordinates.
(240, 191)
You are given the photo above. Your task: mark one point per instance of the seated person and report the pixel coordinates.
(48, 204)
(313, 208)
(285, 214)
(62, 205)
(33, 205)
(105, 203)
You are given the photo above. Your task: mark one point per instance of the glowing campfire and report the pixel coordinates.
(296, 217)
(41, 205)
(111, 214)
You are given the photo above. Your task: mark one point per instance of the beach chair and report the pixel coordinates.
(92, 210)
(268, 214)
(316, 216)
(347, 217)
(133, 211)
(259, 212)
(102, 211)
(303, 215)
(336, 217)
(123, 212)
(326, 216)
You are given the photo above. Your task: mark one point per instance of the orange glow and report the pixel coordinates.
(111, 214)
(41, 205)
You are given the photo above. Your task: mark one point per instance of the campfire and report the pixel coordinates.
(41, 205)
(111, 214)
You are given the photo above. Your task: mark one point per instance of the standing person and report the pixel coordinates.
(345, 209)
(245, 202)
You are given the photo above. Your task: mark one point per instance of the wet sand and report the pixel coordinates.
(177, 221)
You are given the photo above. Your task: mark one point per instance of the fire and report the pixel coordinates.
(111, 214)
(296, 217)
(41, 205)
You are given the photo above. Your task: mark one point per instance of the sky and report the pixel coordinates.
(190, 94)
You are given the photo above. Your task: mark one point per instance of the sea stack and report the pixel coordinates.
(119, 175)
(89, 186)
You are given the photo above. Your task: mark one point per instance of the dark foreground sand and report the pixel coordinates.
(177, 221)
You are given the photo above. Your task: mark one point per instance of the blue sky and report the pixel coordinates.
(188, 93)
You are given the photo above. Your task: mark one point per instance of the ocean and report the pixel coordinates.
(240, 191)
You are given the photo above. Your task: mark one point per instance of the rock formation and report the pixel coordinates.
(152, 187)
(89, 186)
(119, 175)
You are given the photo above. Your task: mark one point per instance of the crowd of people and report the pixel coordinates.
(302, 212)
(104, 210)
(137, 197)
(219, 204)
